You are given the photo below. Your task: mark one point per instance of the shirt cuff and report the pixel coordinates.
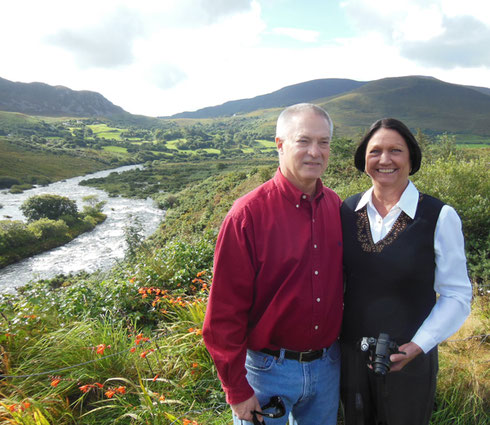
(238, 394)
(425, 341)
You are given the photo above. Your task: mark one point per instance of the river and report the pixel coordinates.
(99, 249)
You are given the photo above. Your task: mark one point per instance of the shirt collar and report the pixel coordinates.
(408, 201)
(291, 192)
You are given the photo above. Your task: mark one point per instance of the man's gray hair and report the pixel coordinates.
(290, 111)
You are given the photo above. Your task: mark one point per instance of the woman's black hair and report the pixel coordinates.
(402, 130)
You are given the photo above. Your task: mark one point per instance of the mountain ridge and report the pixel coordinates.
(46, 100)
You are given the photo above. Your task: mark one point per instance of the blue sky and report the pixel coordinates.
(160, 57)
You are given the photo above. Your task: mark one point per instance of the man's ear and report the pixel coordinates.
(279, 143)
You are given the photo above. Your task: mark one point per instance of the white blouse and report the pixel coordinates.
(451, 277)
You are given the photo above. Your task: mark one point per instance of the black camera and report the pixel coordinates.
(379, 352)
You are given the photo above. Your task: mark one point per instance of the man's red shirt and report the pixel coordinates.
(277, 278)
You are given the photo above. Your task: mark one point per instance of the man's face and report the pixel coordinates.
(304, 148)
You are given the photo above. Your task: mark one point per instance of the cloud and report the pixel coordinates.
(107, 44)
(166, 75)
(308, 36)
(436, 33)
(464, 43)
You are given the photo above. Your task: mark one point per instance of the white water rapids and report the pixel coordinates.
(99, 249)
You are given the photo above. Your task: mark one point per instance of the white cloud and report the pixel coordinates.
(158, 57)
(306, 36)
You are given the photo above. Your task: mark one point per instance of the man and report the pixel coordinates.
(275, 305)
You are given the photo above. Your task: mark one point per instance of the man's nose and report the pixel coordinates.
(314, 149)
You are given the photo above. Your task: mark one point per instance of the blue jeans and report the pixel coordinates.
(310, 391)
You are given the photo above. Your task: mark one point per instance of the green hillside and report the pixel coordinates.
(421, 102)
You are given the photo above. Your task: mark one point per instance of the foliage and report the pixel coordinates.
(48, 206)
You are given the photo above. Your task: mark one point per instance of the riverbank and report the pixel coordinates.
(99, 249)
(19, 240)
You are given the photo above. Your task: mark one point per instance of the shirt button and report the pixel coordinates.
(316, 272)
(318, 300)
(315, 246)
(297, 205)
(304, 196)
(313, 220)
(316, 327)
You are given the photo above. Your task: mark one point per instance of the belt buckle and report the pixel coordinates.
(301, 356)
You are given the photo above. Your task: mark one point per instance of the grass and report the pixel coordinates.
(22, 164)
(117, 149)
(103, 131)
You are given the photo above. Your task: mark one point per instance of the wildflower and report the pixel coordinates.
(101, 348)
(198, 331)
(161, 399)
(26, 405)
(12, 408)
(55, 382)
(131, 280)
(132, 349)
(156, 377)
(110, 393)
(191, 330)
(145, 353)
(144, 295)
(201, 273)
(141, 290)
(99, 385)
(121, 390)
(85, 388)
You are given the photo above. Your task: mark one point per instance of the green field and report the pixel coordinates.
(21, 164)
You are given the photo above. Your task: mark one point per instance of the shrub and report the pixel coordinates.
(6, 182)
(14, 233)
(46, 228)
(48, 206)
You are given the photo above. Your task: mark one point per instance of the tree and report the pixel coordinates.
(49, 206)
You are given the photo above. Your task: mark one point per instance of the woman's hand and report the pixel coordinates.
(399, 361)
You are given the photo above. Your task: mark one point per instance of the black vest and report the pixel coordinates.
(389, 285)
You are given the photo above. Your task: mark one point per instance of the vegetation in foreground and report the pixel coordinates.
(125, 347)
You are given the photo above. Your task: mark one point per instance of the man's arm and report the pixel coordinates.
(231, 297)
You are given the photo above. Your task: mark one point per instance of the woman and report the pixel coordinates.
(400, 248)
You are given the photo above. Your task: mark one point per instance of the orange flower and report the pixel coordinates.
(194, 365)
(55, 382)
(85, 388)
(198, 331)
(191, 330)
(144, 295)
(131, 280)
(12, 408)
(133, 349)
(156, 377)
(161, 399)
(110, 393)
(101, 348)
(99, 385)
(121, 390)
(26, 405)
(141, 290)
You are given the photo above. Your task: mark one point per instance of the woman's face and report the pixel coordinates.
(388, 159)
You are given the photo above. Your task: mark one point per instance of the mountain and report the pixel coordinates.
(289, 95)
(45, 100)
(421, 102)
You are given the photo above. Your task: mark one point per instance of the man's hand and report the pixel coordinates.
(399, 361)
(243, 410)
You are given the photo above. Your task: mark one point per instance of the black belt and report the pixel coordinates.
(301, 356)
